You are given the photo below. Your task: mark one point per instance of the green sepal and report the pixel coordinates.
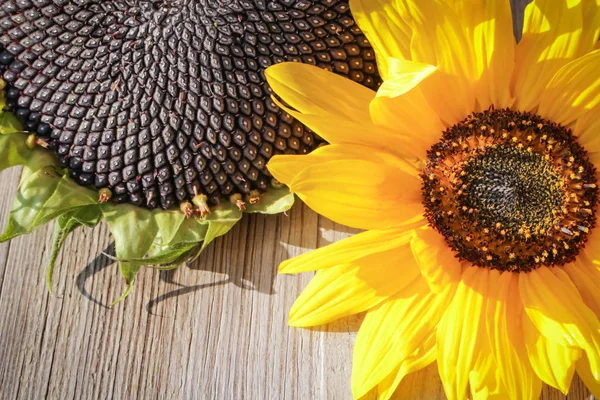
(190, 231)
(170, 258)
(125, 293)
(219, 222)
(192, 234)
(189, 235)
(68, 195)
(274, 201)
(34, 190)
(39, 159)
(134, 230)
(13, 151)
(169, 223)
(88, 216)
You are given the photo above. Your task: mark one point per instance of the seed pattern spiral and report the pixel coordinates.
(162, 100)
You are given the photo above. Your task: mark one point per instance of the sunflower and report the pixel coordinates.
(472, 171)
(148, 113)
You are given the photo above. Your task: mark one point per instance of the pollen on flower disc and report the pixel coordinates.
(510, 191)
(162, 100)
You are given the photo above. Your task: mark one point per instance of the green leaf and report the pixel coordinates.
(193, 233)
(168, 223)
(39, 159)
(125, 293)
(88, 216)
(13, 151)
(189, 235)
(34, 190)
(190, 231)
(67, 195)
(274, 201)
(172, 255)
(134, 230)
(220, 221)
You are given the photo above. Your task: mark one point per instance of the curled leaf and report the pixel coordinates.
(134, 230)
(34, 190)
(66, 196)
(219, 223)
(88, 216)
(13, 151)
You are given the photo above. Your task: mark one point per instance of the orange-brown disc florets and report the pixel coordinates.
(511, 191)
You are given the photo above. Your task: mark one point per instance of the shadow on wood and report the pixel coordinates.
(100, 262)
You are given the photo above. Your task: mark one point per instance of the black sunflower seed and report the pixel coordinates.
(160, 100)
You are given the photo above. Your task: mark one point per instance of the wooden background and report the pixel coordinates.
(214, 330)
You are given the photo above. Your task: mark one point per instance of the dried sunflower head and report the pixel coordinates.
(148, 113)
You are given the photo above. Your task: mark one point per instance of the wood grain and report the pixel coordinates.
(214, 330)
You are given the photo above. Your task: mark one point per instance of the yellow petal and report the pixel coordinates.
(460, 331)
(592, 248)
(557, 310)
(405, 76)
(393, 332)
(552, 362)
(383, 24)
(355, 185)
(574, 91)
(505, 332)
(438, 39)
(347, 250)
(287, 167)
(587, 129)
(587, 279)
(349, 289)
(401, 106)
(552, 33)
(438, 263)
(341, 130)
(489, 26)
(484, 379)
(449, 96)
(583, 370)
(420, 359)
(591, 26)
(310, 89)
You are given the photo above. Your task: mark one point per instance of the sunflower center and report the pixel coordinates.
(513, 187)
(510, 191)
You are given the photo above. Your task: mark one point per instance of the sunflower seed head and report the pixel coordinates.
(158, 100)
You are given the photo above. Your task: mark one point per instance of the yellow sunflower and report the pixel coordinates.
(473, 172)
